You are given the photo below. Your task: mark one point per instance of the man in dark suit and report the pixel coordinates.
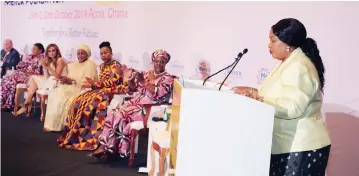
(10, 57)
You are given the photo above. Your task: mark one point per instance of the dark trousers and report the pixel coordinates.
(3, 71)
(306, 163)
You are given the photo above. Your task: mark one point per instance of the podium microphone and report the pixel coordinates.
(236, 59)
(235, 64)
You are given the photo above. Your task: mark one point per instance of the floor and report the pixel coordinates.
(27, 151)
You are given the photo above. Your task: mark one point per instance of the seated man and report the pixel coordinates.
(10, 57)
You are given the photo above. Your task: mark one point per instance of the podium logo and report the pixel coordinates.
(262, 75)
(234, 74)
(203, 67)
(203, 70)
(71, 54)
(133, 62)
(177, 66)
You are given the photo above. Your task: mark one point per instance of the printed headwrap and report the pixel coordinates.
(162, 53)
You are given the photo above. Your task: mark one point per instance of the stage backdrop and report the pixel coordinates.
(203, 37)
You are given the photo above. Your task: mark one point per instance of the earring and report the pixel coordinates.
(288, 48)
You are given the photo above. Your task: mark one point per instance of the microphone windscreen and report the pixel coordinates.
(245, 51)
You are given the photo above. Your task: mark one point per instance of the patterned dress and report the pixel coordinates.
(87, 112)
(116, 132)
(305, 163)
(24, 69)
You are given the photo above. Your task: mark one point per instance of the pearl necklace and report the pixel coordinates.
(159, 73)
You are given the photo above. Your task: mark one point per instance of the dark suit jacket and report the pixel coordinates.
(12, 59)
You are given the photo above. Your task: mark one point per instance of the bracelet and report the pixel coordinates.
(261, 99)
(250, 91)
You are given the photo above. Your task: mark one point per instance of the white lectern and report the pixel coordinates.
(218, 133)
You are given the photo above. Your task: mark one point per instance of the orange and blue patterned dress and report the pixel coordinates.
(88, 111)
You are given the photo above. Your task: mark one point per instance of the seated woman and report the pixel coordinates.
(59, 99)
(155, 87)
(54, 66)
(87, 114)
(25, 68)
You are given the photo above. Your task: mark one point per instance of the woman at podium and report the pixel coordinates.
(300, 143)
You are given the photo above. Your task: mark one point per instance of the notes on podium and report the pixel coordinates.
(218, 132)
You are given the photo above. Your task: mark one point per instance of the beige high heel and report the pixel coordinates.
(24, 108)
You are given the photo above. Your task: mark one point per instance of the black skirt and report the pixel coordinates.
(306, 163)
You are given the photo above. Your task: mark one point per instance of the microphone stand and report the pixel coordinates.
(236, 59)
(235, 64)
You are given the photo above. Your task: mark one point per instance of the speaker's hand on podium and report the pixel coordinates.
(245, 91)
(248, 92)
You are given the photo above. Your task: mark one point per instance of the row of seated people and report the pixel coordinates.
(78, 105)
(294, 89)
(27, 68)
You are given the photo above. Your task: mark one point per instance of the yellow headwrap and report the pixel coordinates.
(86, 48)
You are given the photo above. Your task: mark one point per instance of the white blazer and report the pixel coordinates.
(293, 89)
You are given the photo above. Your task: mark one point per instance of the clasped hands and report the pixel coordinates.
(248, 92)
(133, 76)
(88, 83)
(65, 80)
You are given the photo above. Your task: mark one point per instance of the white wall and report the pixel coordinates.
(214, 32)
